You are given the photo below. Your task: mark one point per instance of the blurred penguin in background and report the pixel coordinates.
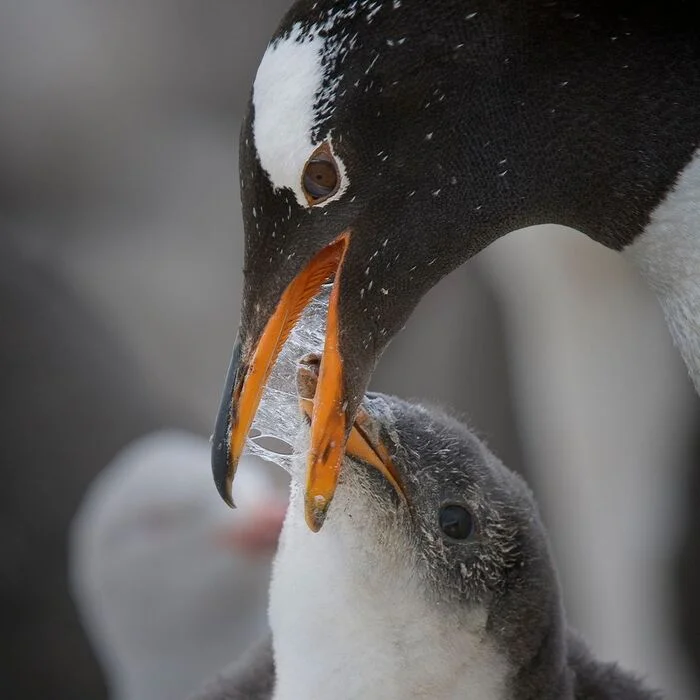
(70, 397)
(170, 583)
(115, 120)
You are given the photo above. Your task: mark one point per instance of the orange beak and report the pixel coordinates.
(329, 429)
(360, 444)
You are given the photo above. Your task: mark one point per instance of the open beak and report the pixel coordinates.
(250, 369)
(361, 443)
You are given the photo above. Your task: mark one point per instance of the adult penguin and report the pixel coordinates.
(388, 141)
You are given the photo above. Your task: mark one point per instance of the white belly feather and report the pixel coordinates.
(345, 629)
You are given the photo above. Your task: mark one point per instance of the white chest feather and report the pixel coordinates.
(346, 627)
(668, 255)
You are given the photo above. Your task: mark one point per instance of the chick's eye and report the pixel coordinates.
(456, 522)
(320, 179)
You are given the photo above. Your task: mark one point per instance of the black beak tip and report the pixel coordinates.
(220, 469)
(221, 466)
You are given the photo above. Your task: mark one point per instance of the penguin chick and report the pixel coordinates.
(431, 578)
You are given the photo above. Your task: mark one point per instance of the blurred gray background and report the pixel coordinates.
(120, 258)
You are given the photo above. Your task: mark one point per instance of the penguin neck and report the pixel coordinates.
(346, 622)
(596, 129)
(605, 141)
(667, 254)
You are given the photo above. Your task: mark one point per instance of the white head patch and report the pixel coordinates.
(284, 94)
(292, 93)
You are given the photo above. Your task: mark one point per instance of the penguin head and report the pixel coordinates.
(419, 490)
(353, 168)
(471, 522)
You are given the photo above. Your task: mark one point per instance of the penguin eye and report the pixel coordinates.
(456, 522)
(321, 178)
